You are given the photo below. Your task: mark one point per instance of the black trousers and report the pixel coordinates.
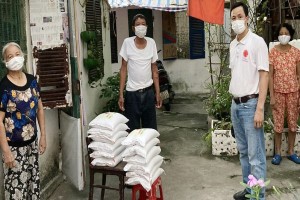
(140, 109)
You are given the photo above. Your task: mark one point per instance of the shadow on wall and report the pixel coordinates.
(180, 86)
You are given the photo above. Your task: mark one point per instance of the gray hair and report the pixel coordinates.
(8, 45)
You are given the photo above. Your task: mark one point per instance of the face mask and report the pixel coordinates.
(16, 63)
(238, 26)
(140, 31)
(284, 39)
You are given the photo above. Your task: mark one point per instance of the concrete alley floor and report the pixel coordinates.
(191, 172)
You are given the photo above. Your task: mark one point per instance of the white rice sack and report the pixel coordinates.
(110, 162)
(146, 176)
(140, 137)
(99, 154)
(138, 150)
(146, 184)
(107, 132)
(108, 139)
(144, 168)
(108, 120)
(108, 148)
(139, 160)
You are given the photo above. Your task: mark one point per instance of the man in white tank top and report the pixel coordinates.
(139, 55)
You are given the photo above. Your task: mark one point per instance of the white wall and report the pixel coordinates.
(187, 76)
(49, 161)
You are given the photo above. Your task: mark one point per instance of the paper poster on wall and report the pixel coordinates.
(48, 23)
(169, 36)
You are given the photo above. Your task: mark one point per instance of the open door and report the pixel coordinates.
(72, 161)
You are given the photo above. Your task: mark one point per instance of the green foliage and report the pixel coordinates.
(110, 90)
(219, 102)
(207, 137)
(268, 125)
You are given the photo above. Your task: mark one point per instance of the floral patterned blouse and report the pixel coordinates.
(20, 105)
(285, 69)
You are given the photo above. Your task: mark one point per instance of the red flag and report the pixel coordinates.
(211, 11)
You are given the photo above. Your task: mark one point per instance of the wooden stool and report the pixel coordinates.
(117, 171)
(151, 195)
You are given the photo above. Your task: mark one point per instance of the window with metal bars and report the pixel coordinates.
(52, 71)
(12, 26)
(94, 23)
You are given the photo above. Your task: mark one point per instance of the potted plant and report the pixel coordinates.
(91, 62)
(88, 36)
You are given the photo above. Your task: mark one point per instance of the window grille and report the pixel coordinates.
(52, 71)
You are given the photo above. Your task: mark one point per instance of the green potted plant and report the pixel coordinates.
(91, 62)
(88, 36)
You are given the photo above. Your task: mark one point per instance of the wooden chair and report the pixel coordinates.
(117, 171)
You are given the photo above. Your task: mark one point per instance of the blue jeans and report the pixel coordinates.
(140, 109)
(250, 140)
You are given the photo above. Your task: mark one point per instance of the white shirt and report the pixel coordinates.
(247, 57)
(139, 63)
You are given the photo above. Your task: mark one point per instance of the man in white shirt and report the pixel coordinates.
(139, 55)
(249, 65)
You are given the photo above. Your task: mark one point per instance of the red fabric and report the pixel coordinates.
(211, 11)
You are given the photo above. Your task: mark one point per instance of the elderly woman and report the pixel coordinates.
(284, 87)
(20, 105)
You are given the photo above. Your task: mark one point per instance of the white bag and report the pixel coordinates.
(107, 132)
(99, 154)
(106, 139)
(138, 150)
(140, 137)
(144, 168)
(108, 120)
(139, 160)
(146, 176)
(110, 162)
(108, 148)
(146, 184)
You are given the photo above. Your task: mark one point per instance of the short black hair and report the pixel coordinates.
(243, 5)
(288, 27)
(138, 16)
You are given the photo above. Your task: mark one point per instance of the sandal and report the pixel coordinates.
(276, 159)
(294, 158)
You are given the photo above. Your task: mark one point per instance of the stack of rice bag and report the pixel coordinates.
(142, 157)
(107, 131)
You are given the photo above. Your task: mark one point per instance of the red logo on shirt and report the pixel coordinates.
(245, 53)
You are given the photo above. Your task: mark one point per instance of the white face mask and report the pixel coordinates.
(238, 26)
(15, 64)
(140, 31)
(284, 39)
